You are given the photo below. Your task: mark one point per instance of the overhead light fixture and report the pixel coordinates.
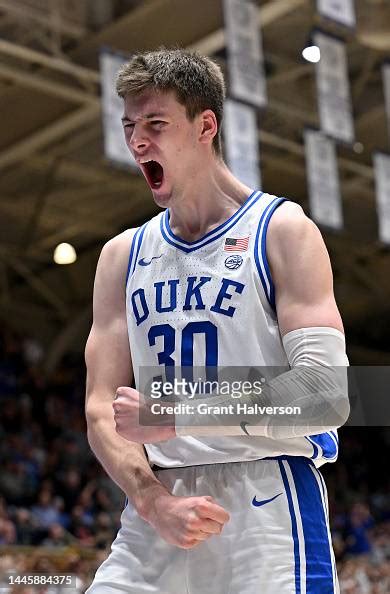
(64, 254)
(312, 53)
(358, 147)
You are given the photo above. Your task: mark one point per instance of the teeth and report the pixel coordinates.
(147, 161)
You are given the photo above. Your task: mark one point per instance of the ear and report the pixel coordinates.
(208, 126)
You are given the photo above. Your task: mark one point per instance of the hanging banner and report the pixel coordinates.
(242, 142)
(382, 183)
(323, 179)
(333, 92)
(386, 89)
(115, 148)
(245, 54)
(341, 11)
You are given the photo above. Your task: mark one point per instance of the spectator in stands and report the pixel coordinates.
(359, 525)
(25, 527)
(7, 532)
(58, 537)
(45, 511)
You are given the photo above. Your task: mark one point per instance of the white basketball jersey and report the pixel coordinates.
(210, 302)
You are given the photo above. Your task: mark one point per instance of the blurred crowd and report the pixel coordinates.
(55, 495)
(53, 492)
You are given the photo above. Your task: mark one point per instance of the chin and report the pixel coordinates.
(162, 196)
(163, 200)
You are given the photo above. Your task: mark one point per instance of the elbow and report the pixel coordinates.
(336, 414)
(334, 396)
(342, 404)
(343, 409)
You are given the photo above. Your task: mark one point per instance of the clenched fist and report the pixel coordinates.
(134, 420)
(186, 521)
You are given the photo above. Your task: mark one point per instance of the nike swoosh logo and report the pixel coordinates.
(264, 501)
(242, 425)
(144, 262)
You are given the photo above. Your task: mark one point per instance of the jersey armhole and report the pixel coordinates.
(134, 250)
(260, 251)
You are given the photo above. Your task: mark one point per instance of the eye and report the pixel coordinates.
(157, 122)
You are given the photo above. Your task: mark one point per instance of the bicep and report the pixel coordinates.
(107, 352)
(108, 360)
(302, 273)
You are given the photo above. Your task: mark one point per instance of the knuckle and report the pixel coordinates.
(185, 542)
(200, 507)
(192, 524)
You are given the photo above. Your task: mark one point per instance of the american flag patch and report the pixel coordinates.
(239, 244)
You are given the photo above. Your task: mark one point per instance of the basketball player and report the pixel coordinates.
(237, 514)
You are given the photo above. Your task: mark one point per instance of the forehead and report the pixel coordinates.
(152, 102)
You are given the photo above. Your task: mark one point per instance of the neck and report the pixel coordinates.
(211, 199)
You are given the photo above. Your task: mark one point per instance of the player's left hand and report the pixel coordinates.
(131, 409)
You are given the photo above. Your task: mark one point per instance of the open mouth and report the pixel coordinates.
(154, 173)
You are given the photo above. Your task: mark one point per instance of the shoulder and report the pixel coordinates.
(289, 217)
(114, 256)
(290, 228)
(117, 246)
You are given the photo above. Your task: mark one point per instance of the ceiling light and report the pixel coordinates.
(312, 53)
(64, 254)
(358, 147)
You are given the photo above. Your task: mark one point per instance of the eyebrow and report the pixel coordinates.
(148, 116)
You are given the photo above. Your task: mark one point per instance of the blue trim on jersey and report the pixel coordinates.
(328, 444)
(216, 233)
(294, 529)
(234, 216)
(131, 253)
(140, 236)
(319, 568)
(263, 267)
(323, 488)
(315, 448)
(264, 250)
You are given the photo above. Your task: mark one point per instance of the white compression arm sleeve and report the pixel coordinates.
(316, 384)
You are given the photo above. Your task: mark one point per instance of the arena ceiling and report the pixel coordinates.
(57, 186)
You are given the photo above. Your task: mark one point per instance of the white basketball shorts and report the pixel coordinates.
(276, 542)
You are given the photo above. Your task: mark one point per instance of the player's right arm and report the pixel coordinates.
(182, 521)
(109, 365)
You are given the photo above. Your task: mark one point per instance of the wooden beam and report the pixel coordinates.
(49, 134)
(39, 286)
(298, 149)
(23, 12)
(61, 65)
(267, 14)
(43, 85)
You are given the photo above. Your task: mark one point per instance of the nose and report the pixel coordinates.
(138, 140)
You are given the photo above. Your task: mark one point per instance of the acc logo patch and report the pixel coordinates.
(233, 262)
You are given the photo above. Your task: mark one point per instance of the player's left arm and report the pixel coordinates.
(312, 334)
(310, 326)
(301, 272)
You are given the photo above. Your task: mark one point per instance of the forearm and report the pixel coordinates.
(125, 462)
(316, 388)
